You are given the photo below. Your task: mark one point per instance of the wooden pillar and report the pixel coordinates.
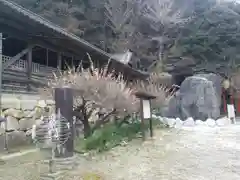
(224, 101)
(2, 119)
(142, 120)
(64, 106)
(59, 61)
(72, 59)
(47, 57)
(146, 112)
(1, 69)
(29, 69)
(17, 57)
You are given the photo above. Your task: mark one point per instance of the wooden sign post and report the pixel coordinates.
(146, 113)
(64, 105)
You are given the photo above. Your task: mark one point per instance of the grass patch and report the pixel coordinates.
(112, 135)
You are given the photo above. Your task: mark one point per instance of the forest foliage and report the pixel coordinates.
(161, 33)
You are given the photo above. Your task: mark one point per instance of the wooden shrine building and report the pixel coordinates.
(31, 48)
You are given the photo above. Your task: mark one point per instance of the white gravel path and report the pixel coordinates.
(193, 154)
(210, 154)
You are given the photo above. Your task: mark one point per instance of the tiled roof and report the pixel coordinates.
(11, 7)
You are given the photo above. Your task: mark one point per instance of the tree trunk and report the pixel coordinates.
(86, 128)
(105, 119)
(81, 114)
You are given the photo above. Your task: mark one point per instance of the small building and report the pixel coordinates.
(32, 48)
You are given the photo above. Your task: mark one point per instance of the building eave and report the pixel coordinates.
(13, 10)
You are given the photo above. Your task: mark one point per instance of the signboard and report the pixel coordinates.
(231, 112)
(146, 109)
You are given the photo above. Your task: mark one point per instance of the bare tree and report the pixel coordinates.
(97, 89)
(100, 88)
(156, 85)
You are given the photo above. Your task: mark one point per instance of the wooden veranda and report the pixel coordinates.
(36, 32)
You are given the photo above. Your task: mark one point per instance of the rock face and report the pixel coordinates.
(199, 97)
(217, 83)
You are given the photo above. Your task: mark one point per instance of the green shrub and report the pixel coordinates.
(111, 135)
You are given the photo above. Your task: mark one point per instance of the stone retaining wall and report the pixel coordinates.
(21, 112)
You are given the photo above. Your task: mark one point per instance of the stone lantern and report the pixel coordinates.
(226, 84)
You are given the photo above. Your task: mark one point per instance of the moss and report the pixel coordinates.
(92, 176)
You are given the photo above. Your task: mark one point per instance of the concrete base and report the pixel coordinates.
(52, 176)
(59, 167)
(65, 163)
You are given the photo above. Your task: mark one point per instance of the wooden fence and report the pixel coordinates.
(15, 76)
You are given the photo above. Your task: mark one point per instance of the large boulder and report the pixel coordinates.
(199, 97)
(217, 84)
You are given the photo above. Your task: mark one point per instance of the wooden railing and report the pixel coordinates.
(21, 65)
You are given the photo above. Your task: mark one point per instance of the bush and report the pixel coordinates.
(112, 135)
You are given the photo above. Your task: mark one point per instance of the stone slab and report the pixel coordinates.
(51, 176)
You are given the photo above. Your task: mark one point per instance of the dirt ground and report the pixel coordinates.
(198, 154)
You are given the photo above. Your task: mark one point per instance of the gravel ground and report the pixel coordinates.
(196, 154)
